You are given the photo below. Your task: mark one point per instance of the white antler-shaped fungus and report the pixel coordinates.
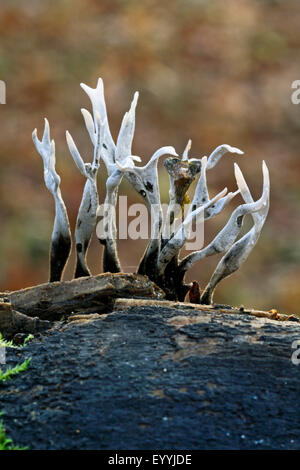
(60, 246)
(161, 260)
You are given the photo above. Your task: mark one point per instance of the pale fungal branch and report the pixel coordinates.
(201, 195)
(86, 218)
(60, 246)
(185, 155)
(258, 217)
(227, 236)
(112, 155)
(121, 155)
(178, 187)
(145, 181)
(126, 133)
(217, 208)
(218, 153)
(241, 249)
(97, 99)
(111, 262)
(161, 260)
(174, 245)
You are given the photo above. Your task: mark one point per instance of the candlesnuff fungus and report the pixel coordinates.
(86, 219)
(112, 153)
(145, 182)
(161, 260)
(239, 251)
(61, 236)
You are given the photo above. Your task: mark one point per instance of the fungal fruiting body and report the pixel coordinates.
(60, 246)
(161, 260)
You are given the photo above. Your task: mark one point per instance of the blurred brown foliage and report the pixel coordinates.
(217, 72)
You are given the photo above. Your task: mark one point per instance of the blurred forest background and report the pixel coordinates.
(213, 71)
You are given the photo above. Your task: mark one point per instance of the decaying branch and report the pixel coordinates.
(12, 322)
(57, 300)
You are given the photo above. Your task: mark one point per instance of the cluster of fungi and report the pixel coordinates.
(161, 260)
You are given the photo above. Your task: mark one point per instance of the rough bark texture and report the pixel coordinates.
(122, 304)
(55, 300)
(12, 322)
(157, 378)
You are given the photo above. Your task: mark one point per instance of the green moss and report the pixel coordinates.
(9, 344)
(6, 344)
(11, 371)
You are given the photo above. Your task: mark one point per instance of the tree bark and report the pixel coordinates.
(156, 377)
(123, 304)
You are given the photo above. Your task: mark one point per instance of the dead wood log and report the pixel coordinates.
(157, 377)
(12, 322)
(124, 304)
(57, 300)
